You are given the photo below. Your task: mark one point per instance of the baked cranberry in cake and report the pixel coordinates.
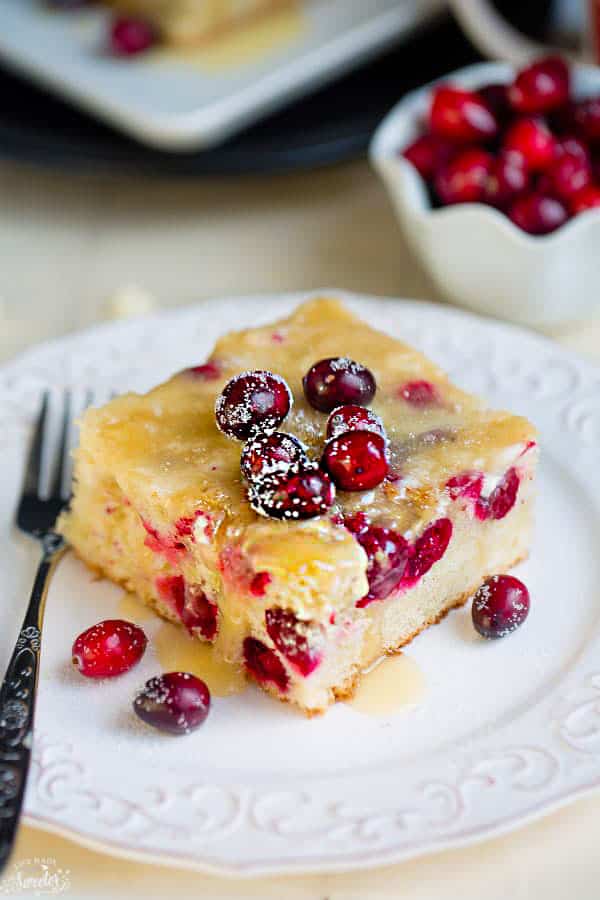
(264, 664)
(176, 702)
(338, 381)
(420, 393)
(130, 36)
(296, 640)
(251, 401)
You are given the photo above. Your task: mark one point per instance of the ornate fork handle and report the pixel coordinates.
(17, 700)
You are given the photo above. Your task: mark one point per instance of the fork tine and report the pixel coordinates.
(33, 471)
(57, 482)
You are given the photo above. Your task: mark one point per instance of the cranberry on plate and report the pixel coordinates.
(109, 648)
(130, 36)
(500, 605)
(176, 702)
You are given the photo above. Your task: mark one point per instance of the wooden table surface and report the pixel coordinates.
(76, 250)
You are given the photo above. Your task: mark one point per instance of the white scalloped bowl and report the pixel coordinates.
(473, 252)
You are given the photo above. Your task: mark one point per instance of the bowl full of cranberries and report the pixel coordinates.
(495, 176)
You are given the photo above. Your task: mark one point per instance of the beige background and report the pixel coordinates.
(71, 248)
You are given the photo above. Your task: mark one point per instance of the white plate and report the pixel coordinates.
(506, 731)
(174, 104)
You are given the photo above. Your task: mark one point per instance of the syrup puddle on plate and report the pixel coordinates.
(178, 651)
(133, 610)
(245, 44)
(391, 684)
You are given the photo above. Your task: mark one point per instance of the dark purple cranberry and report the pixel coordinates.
(507, 178)
(500, 605)
(272, 454)
(356, 460)
(586, 115)
(495, 96)
(353, 418)
(130, 36)
(304, 495)
(338, 381)
(295, 639)
(176, 702)
(264, 664)
(538, 213)
(251, 401)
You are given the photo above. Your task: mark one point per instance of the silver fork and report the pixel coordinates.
(36, 516)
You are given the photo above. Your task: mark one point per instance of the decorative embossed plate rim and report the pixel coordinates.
(536, 756)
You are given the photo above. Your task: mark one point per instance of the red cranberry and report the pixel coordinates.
(129, 36)
(461, 115)
(506, 179)
(430, 547)
(541, 87)
(467, 485)
(190, 603)
(500, 605)
(356, 460)
(495, 96)
(463, 179)
(388, 554)
(503, 497)
(573, 146)
(209, 371)
(176, 702)
(109, 648)
(567, 175)
(308, 494)
(260, 583)
(353, 418)
(428, 153)
(272, 454)
(538, 213)
(336, 381)
(587, 198)
(420, 394)
(587, 119)
(531, 141)
(294, 639)
(252, 400)
(264, 664)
